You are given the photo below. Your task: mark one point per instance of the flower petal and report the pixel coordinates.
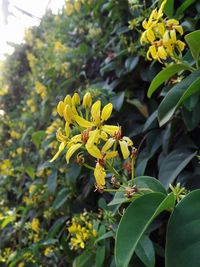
(106, 112)
(124, 149)
(60, 149)
(110, 129)
(82, 122)
(108, 144)
(94, 151)
(71, 151)
(100, 174)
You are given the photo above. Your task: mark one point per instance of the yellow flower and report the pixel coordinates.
(81, 231)
(19, 150)
(40, 89)
(161, 35)
(35, 225)
(14, 134)
(69, 8)
(87, 100)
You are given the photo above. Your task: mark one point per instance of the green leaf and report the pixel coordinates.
(169, 103)
(191, 118)
(61, 198)
(53, 231)
(149, 182)
(100, 256)
(145, 251)
(118, 100)
(173, 164)
(37, 138)
(183, 233)
(131, 228)
(30, 171)
(52, 182)
(193, 40)
(192, 89)
(164, 75)
(84, 260)
(169, 8)
(105, 236)
(183, 7)
(119, 198)
(131, 63)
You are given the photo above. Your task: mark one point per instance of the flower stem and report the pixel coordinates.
(113, 170)
(88, 166)
(132, 170)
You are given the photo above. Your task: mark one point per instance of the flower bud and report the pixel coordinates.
(75, 99)
(60, 108)
(68, 114)
(87, 100)
(68, 100)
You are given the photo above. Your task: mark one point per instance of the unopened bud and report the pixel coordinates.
(75, 100)
(68, 114)
(60, 108)
(68, 100)
(87, 100)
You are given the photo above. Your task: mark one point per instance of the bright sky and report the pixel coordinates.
(17, 22)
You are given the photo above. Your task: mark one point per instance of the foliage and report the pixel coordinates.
(88, 55)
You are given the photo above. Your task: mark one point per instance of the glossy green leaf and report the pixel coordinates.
(183, 233)
(191, 118)
(145, 251)
(149, 182)
(164, 75)
(52, 182)
(169, 8)
(131, 63)
(183, 7)
(61, 198)
(37, 138)
(147, 208)
(192, 89)
(85, 259)
(30, 171)
(173, 164)
(169, 103)
(193, 40)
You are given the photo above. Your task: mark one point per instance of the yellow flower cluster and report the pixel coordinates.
(60, 48)
(31, 105)
(98, 139)
(14, 134)
(81, 232)
(41, 90)
(161, 35)
(54, 126)
(72, 6)
(5, 167)
(31, 59)
(35, 225)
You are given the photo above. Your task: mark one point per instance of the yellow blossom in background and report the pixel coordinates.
(31, 59)
(60, 48)
(35, 225)
(81, 232)
(30, 103)
(41, 89)
(5, 167)
(19, 150)
(14, 134)
(48, 250)
(21, 264)
(161, 36)
(69, 8)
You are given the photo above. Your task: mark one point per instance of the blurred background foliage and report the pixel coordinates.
(95, 46)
